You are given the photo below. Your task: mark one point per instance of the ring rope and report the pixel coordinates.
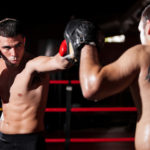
(91, 140)
(64, 82)
(93, 109)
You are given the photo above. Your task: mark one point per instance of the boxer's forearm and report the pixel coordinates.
(47, 64)
(89, 70)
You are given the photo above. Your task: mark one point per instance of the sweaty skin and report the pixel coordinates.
(24, 83)
(130, 70)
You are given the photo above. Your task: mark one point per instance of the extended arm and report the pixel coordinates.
(98, 82)
(48, 64)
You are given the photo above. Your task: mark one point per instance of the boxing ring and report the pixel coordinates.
(68, 110)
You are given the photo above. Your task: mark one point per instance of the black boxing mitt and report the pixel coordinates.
(77, 33)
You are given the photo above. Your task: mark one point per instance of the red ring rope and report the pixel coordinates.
(91, 140)
(93, 109)
(59, 81)
(64, 82)
(55, 109)
(75, 82)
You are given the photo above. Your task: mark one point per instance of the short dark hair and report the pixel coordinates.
(10, 27)
(146, 13)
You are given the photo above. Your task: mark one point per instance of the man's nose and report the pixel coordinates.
(13, 52)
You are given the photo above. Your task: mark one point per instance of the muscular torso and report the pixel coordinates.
(23, 97)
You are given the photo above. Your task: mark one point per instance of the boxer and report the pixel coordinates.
(24, 82)
(131, 69)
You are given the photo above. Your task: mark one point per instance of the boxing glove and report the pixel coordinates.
(67, 54)
(63, 48)
(77, 33)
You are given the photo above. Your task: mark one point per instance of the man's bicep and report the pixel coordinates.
(117, 71)
(118, 75)
(125, 66)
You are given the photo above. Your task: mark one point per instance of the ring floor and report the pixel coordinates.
(115, 132)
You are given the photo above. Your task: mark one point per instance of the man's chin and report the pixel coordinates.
(12, 64)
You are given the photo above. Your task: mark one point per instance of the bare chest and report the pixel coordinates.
(21, 87)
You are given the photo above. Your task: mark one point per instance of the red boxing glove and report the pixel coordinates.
(63, 48)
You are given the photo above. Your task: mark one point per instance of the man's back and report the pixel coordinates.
(140, 90)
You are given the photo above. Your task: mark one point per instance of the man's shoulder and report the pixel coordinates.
(138, 49)
(142, 53)
(141, 47)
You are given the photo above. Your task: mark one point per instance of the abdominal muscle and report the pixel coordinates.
(22, 120)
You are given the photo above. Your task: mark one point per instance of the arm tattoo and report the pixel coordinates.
(148, 75)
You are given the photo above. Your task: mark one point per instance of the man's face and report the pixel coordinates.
(12, 49)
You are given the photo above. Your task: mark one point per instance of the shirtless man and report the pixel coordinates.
(24, 82)
(131, 69)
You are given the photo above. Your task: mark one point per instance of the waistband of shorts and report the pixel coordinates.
(28, 136)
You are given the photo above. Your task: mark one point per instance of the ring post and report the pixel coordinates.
(68, 115)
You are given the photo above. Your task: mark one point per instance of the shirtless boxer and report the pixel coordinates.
(131, 69)
(24, 83)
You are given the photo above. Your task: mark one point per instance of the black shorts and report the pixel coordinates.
(33, 141)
